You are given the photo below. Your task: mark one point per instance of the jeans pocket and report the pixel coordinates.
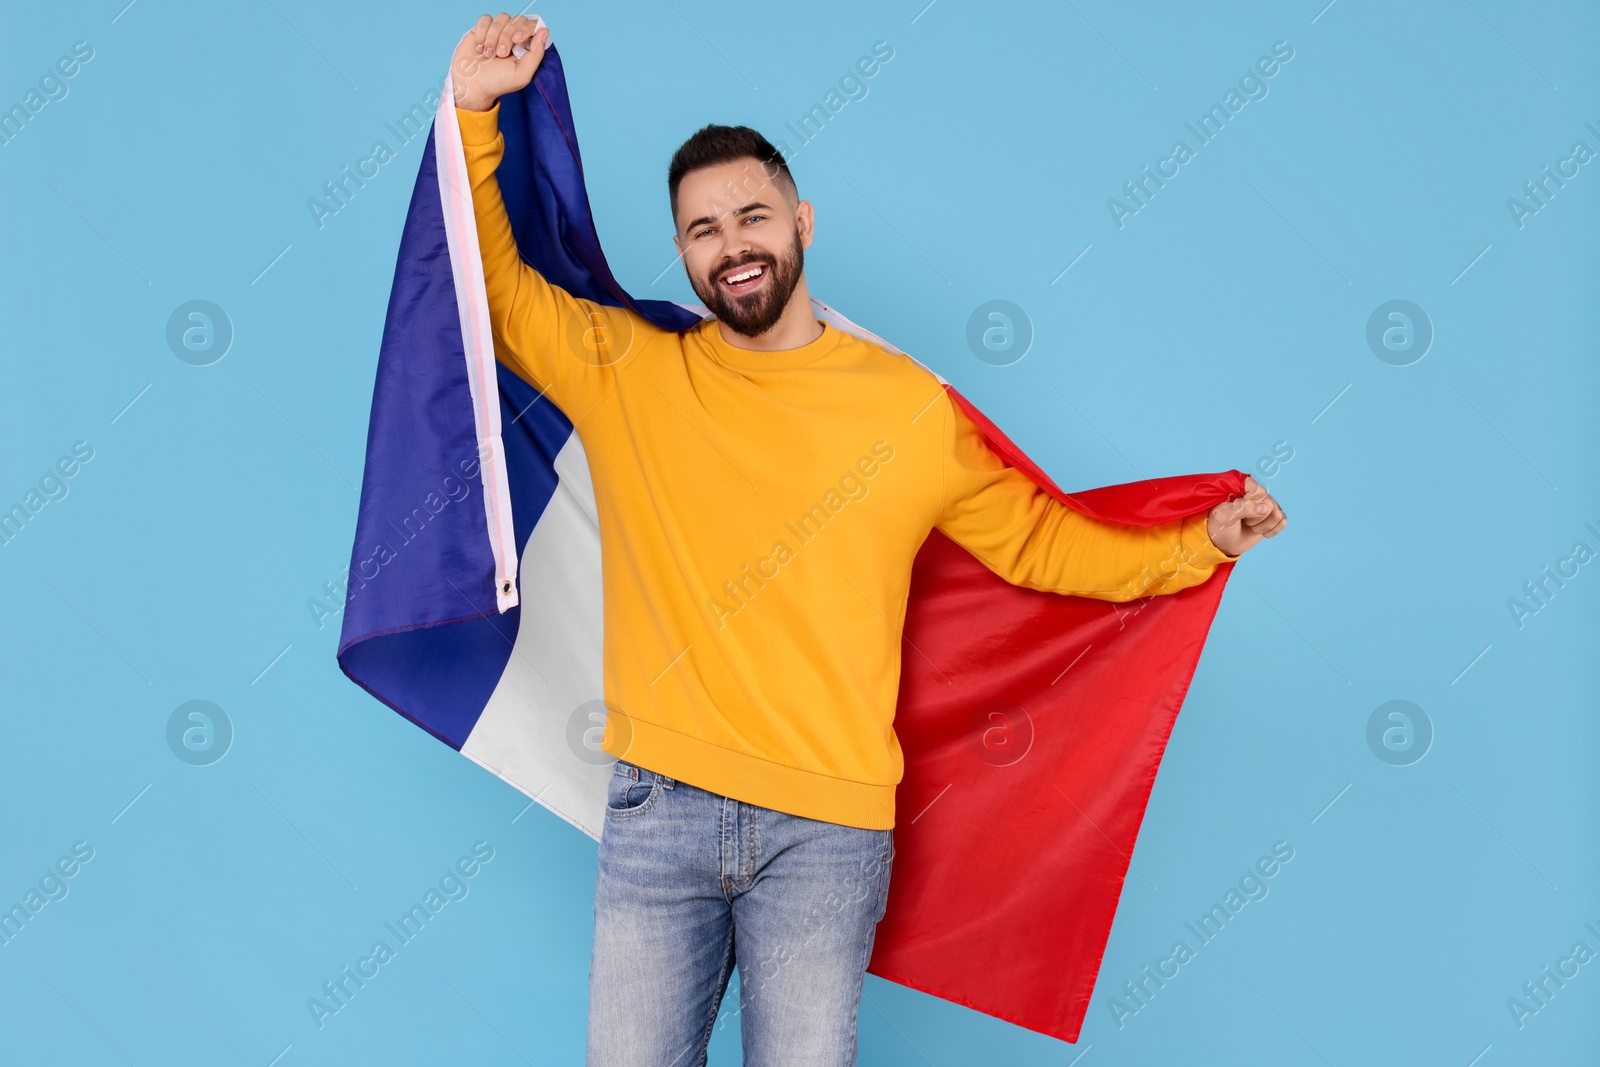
(632, 790)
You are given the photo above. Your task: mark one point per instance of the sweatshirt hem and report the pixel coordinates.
(755, 780)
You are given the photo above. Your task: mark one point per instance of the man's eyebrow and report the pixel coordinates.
(703, 219)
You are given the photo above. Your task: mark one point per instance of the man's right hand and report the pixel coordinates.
(483, 68)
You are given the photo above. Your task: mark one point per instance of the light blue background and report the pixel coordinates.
(1222, 319)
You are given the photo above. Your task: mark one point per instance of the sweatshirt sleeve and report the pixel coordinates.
(1029, 538)
(567, 347)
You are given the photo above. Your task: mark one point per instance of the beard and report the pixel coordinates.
(753, 314)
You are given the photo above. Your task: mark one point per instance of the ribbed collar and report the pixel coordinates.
(752, 359)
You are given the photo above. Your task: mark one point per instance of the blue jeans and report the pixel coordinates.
(692, 883)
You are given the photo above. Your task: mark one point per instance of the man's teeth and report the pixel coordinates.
(753, 272)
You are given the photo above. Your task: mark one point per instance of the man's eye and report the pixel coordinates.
(703, 232)
(748, 218)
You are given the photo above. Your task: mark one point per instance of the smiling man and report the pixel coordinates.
(763, 483)
(754, 296)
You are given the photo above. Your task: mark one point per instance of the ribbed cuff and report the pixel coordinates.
(479, 127)
(1197, 538)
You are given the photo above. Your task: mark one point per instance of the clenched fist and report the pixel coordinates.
(1238, 524)
(483, 68)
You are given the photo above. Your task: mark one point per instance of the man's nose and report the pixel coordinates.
(735, 254)
(735, 244)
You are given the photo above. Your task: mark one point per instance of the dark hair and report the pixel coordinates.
(711, 145)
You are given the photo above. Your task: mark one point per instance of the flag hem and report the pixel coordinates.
(472, 305)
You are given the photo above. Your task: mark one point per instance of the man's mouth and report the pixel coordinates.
(745, 278)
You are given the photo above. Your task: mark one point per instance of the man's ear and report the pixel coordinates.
(677, 242)
(804, 222)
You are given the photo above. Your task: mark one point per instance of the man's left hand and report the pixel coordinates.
(1239, 524)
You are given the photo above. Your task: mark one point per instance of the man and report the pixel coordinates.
(763, 482)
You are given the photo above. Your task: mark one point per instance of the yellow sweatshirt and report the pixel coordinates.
(759, 513)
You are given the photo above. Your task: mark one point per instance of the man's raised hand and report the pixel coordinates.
(483, 68)
(1239, 524)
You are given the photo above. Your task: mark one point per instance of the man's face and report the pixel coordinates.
(736, 223)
